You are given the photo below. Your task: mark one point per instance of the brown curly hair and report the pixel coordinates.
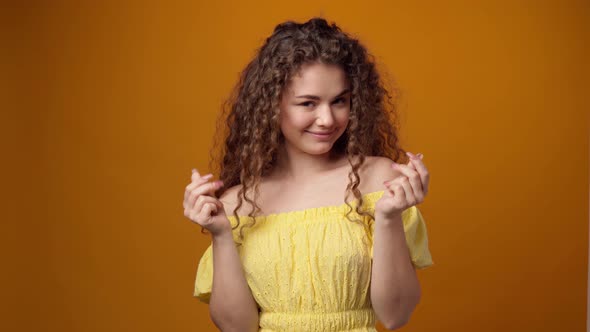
(251, 114)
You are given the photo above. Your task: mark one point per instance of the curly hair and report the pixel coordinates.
(251, 113)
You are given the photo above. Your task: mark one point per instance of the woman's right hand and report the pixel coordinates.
(202, 207)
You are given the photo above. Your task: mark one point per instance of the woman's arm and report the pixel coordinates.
(231, 306)
(395, 289)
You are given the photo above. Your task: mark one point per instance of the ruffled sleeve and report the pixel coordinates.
(416, 234)
(204, 279)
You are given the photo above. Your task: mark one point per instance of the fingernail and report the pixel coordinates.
(411, 155)
(420, 155)
(207, 177)
(194, 170)
(219, 182)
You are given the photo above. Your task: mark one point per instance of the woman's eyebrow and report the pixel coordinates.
(318, 98)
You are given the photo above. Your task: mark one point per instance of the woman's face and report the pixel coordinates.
(316, 102)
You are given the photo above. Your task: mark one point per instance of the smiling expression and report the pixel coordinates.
(315, 108)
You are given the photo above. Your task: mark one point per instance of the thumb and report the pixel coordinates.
(220, 208)
(215, 185)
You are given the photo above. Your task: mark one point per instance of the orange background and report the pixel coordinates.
(110, 104)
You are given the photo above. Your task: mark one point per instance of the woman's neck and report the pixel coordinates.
(298, 166)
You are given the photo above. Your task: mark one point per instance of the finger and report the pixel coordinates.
(413, 177)
(195, 172)
(196, 175)
(408, 191)
(196, 183)
(194, 216)
(203, 217)
(205, 214)
(424, 174)
(388, 188)
(419, 165)
(188, 199)
(207, 188)
(422, 170)
(412, 164)
(213, 207)
(399, 191)
(417, 185)
(392, 184)
(203, 199)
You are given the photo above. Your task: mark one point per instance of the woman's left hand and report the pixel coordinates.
(406, 190)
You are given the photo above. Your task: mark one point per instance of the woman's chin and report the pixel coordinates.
(319, 150)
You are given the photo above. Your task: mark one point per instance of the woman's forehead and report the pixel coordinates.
(317, 80)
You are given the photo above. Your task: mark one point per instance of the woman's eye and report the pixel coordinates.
(309, 103)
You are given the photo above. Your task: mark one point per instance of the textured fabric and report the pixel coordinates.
(310, 270)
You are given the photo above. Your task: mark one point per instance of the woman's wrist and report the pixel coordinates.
(392, 219)
(223, 237)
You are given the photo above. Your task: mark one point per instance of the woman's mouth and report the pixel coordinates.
(321, 135)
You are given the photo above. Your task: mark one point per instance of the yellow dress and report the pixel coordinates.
(310, 270)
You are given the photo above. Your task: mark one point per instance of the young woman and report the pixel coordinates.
(309, 125)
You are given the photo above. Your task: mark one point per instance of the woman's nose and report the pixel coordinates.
(325, 116)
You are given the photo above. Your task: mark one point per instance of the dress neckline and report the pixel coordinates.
(313, 210)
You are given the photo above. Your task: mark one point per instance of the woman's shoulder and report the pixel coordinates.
(375, 170)
(229, 199)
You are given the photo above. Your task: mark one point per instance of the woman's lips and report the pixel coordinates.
(320, 135)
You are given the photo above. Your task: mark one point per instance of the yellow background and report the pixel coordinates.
(110, 104)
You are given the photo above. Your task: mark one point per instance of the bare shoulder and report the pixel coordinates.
(375, 170)
(230, 195)
(229, 199)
